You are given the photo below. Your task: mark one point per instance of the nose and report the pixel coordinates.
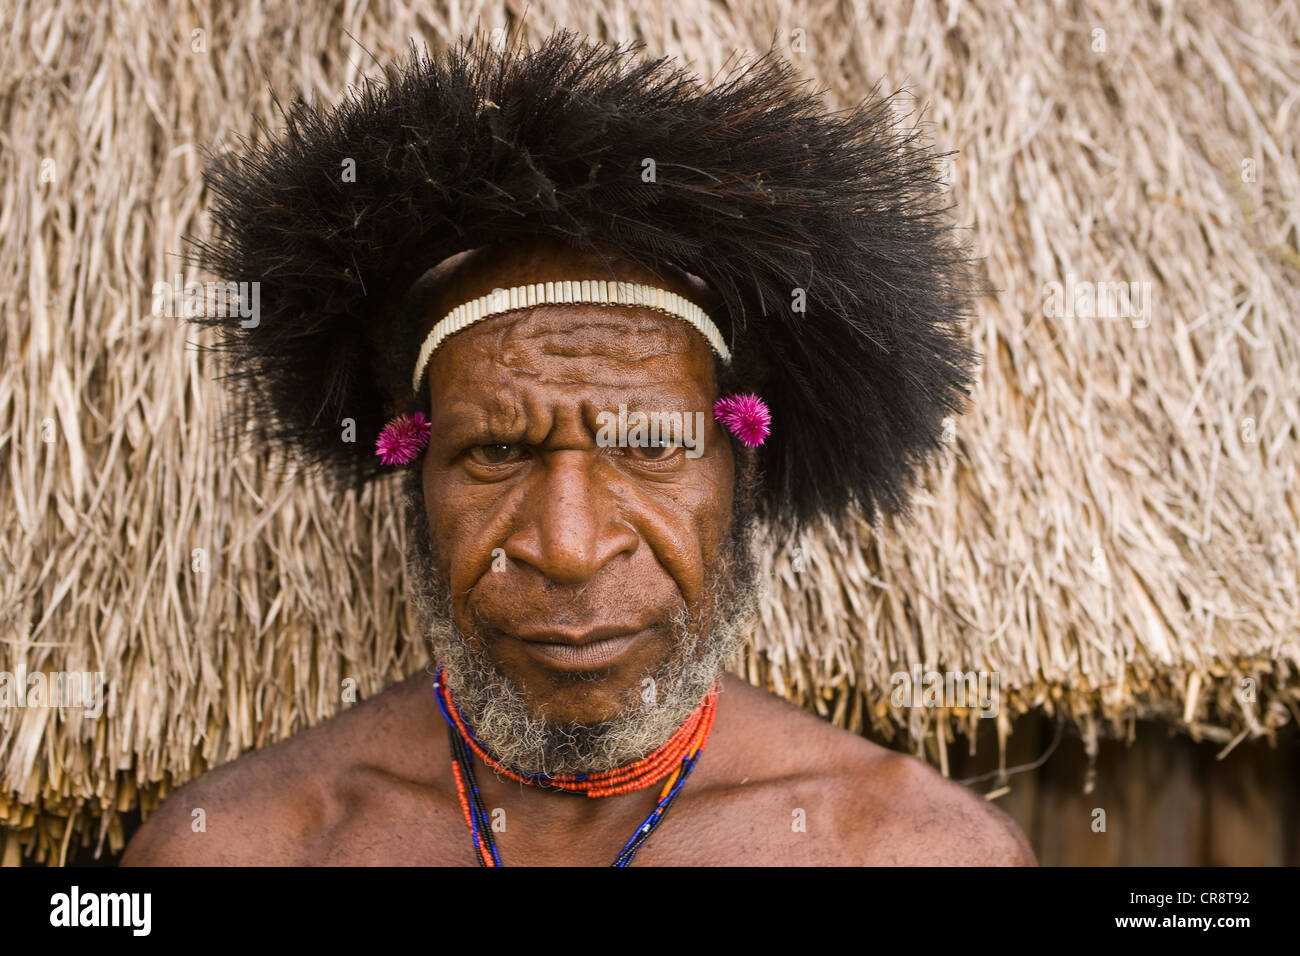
(570, 528)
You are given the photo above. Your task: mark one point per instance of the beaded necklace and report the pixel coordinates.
(674, 760)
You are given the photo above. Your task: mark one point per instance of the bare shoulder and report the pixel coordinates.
(908, 813)
(888, 808)
(245, 812)
(260, 808)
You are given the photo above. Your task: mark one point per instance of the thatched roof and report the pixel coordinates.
(1113, 529)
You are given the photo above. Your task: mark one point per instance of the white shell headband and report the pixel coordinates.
(587, 291)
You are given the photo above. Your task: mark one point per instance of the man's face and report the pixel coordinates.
(574, 568)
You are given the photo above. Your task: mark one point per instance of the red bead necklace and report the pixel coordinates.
(646, 772)
(674, 761)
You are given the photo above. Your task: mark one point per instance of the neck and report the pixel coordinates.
(552, 806)
(549, 825)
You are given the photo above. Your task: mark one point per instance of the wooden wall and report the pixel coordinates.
(1168, 800)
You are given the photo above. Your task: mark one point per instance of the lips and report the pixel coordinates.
(590, 650)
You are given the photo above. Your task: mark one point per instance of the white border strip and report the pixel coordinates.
(594, 291)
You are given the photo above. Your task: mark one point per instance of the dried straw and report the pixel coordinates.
(1113, 528)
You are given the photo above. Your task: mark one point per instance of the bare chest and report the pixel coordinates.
(771, 825)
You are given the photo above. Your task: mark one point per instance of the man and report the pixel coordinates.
(575, 362)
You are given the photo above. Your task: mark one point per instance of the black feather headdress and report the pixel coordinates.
(821, 234)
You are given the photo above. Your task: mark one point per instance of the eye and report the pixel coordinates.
(658, 450)
(495, 454)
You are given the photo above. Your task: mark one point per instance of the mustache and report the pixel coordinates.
(590, 620)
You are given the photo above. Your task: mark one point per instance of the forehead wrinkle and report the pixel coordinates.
(594, 358)
(472, 414)
(578, 374)
(625, 335)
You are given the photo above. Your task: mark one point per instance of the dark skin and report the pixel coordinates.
(594, 538)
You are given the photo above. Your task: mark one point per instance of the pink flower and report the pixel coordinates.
(745, 416)
(403, 439)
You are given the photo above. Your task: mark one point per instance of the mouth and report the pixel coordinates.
(593, 650)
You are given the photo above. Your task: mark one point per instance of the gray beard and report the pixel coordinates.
(651, 711)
